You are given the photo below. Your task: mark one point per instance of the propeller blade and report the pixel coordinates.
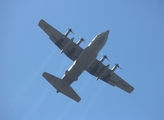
(106, 57)
(117, 65)
(82, 39)
(71, 30)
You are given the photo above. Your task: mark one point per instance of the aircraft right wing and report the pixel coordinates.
(66, 45)
(99, 70)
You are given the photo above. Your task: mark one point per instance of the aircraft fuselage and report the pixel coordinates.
(86, 58)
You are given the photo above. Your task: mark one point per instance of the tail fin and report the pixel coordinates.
(60, 87)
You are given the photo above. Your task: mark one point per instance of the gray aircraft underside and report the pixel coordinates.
(84, 59)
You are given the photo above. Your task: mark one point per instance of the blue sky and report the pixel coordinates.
(135, 42)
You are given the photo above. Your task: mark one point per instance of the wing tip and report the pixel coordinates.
(40, 22)
(131, 89)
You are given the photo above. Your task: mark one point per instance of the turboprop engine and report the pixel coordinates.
(69, 30)
(81, 40)
(103, 58)
(115, 67)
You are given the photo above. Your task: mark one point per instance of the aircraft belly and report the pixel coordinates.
(79, 66)
(87, 57)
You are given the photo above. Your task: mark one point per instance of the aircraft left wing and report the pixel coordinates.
(66, 45)
(99, 70)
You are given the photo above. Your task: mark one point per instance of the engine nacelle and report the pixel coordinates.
(115, 67)
(69, 30)
(103, 58)
(81, 40)
(103, 72)
(67, 45)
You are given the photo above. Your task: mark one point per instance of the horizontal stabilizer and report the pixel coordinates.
(60, 87)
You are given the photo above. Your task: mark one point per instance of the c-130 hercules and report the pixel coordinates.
(84, 59)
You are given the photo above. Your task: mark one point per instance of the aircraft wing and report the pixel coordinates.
(66, 45)
(101, 71)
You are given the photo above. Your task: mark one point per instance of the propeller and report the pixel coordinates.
(106, 57)
(82, 39)
(70, 30)
(117, 65)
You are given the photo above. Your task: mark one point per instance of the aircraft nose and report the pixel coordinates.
(107, 32)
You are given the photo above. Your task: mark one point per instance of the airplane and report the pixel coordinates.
(84, 59)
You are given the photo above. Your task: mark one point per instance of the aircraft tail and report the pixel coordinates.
(61, 87)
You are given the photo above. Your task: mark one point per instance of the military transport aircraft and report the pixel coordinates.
(84, 59)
